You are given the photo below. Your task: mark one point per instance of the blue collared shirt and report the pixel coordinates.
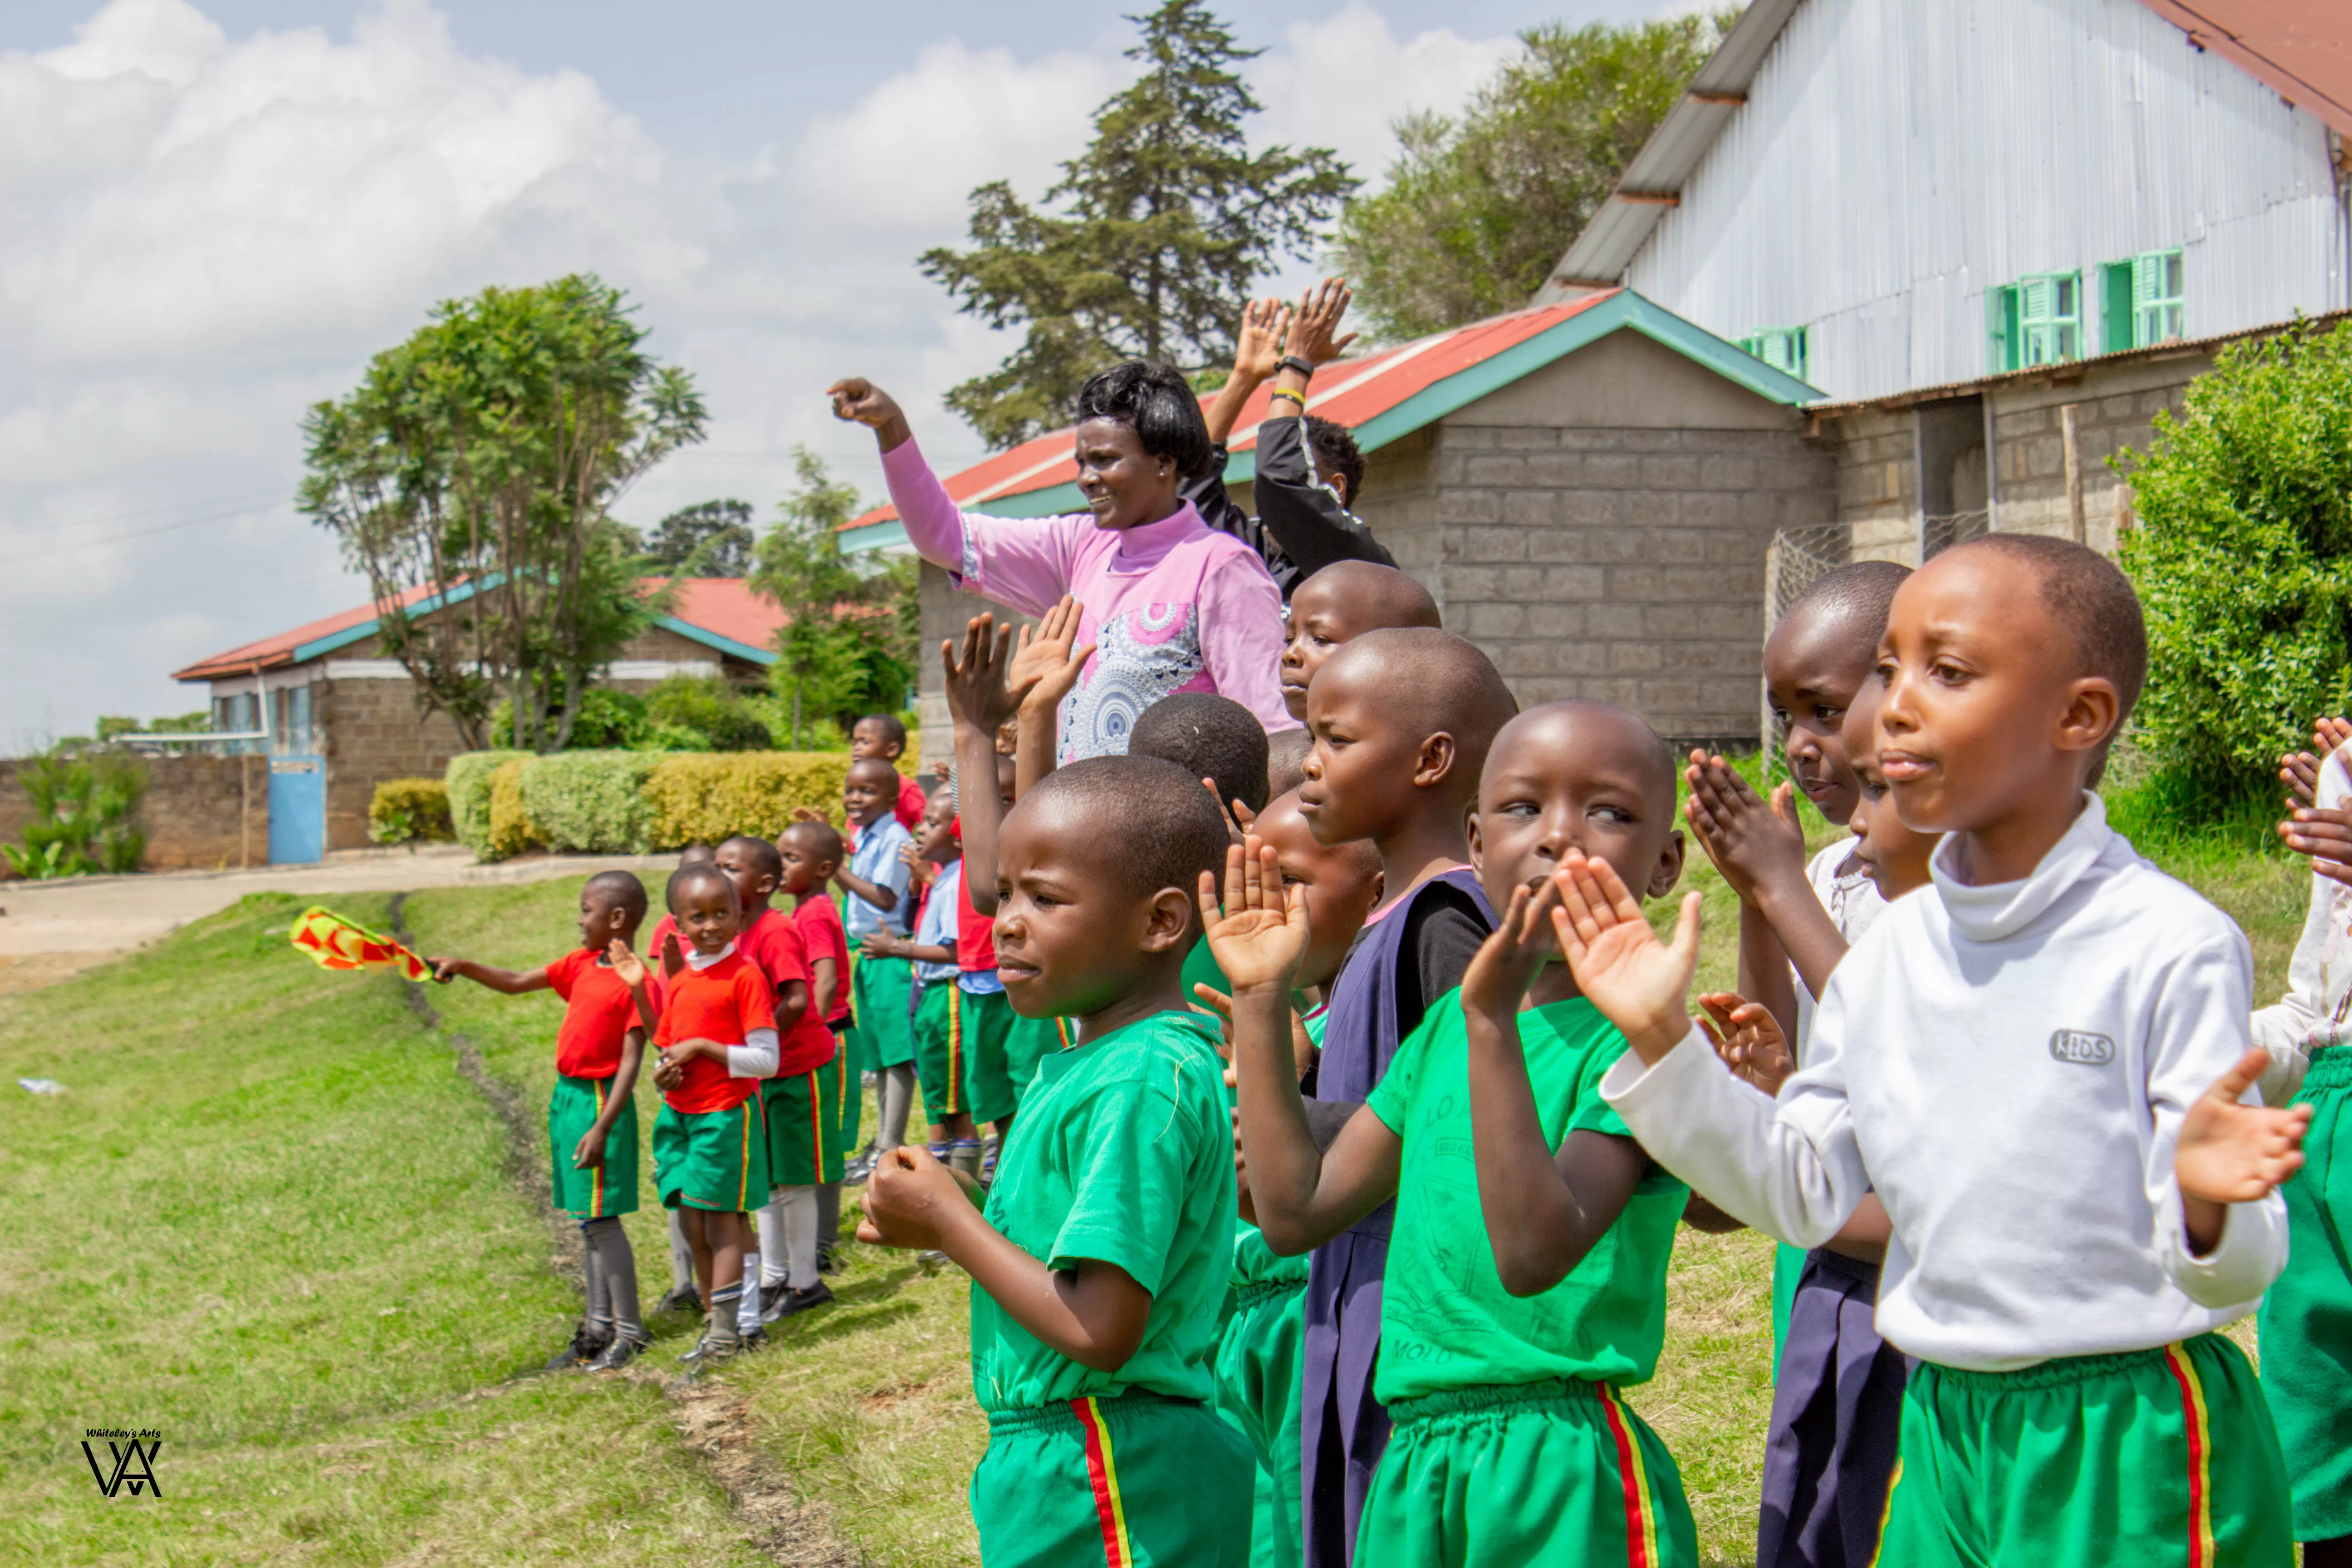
(876, 861)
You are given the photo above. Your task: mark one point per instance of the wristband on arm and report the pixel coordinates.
(1305, 367)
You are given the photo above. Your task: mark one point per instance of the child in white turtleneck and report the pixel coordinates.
(2041, 1063)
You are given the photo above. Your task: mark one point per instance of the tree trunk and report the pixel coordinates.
(796, 712)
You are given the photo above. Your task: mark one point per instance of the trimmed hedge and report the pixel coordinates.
(468, 783)
(591, 802)
(634, 802)
(408, 811)
(511, 829)
(703, 798)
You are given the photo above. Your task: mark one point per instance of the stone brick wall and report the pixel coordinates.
(2115, 408)
(374, 732)
(201, 813)
(1878, 485)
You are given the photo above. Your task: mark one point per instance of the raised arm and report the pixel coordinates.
(1304, 1197)
(1307, 522)
(1046, 668)
(506, 982)
(980, 702)
(1761, 850)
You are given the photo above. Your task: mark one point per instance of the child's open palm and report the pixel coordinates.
(1047, 663)
(1261, 934)
(1748, 1039)
(1258, 352)
(627, 967)
(2231, 1152)
(977, 689)
(1506, 962)
(1639, 982)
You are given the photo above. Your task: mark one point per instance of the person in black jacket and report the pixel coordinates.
(1309, 469)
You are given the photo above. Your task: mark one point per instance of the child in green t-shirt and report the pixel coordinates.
(1505, 1339)
(1101, 1257)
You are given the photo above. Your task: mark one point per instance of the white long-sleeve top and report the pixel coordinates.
(2310, 1016)
(761, 1048)
(2010, 1065)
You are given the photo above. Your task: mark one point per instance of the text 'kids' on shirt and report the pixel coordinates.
(598, 1013)
(772, 944)
(1125, 1156)
(723, 999)
(1446, 1322)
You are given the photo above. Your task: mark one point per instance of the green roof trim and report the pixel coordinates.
(874, 536)
(305, 652)
(711, 639)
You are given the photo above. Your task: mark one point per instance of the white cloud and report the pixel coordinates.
(201, 235)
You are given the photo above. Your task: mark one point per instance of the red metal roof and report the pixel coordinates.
(723, 606)
(1349, 392)
(2302, 50)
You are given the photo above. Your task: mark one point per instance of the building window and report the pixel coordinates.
(299, 735)
(2038, 320)
(2146, 301)
(1782, 348)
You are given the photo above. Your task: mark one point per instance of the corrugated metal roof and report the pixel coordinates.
(2301, 48)
(1379, 397)
(721, 613)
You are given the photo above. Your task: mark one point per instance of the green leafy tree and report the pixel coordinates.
(84, 815)
(2243, 557)
(712, 538)
(1478, 208)
(481, 457)
(845, 646)
(1147, 244)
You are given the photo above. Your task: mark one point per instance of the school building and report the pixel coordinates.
(335, 715)
(1892, 273)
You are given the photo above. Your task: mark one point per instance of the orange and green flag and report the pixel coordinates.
(334, 942)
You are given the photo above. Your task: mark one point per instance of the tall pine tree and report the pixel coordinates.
(1161, 224)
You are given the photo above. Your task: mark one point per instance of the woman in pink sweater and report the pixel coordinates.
(1172, 604)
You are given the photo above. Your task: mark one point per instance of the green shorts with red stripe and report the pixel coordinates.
(985, 1020)
(2164, 1457)
(1135, 1480)
(604, 1190)
(803, 1126)
(1558, 1471)
(715, 1160)
(939, 1051)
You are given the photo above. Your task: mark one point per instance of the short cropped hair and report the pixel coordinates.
(696, 855)
(1158, 828)
(1335, 448)
(1861, 589)
(694, 876)
(1286, 761)
(819, 838)
(1434, 682)
(1209, 737)
(619, 891)
(1159, 405)
(763, 853)
(893, 728)
(2092, 601)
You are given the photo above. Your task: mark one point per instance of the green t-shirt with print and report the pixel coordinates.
(1123, 1154)
(1255, 1263)
(1446, 1322)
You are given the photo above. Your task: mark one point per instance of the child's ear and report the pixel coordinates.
(1477, 847)
(1434, 761)
(1669, 868)
(2089, 715)
(1169, 922)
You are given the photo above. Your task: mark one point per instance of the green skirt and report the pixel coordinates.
(2307, 1318)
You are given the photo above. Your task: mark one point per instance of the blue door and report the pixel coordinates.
(297, 810)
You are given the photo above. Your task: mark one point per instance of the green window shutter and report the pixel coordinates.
(2158, 296)
(2116, 308)
(1782, 348)
(2050, 317)
(2001, 328)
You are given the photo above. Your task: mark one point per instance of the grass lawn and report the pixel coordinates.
(272, 1220)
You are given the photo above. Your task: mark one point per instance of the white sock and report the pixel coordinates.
(681, 1256)
(799, 1206)
(747, 1307)
(771, 1217)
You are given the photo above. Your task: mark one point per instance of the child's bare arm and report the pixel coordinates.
(506, 982)
(792, 1004)
(1095, 1314)
(589, 1152)
(1543, 1212)
(1303, 1196)
(1764, 969)
(1865, 1235)
(1761, 850)
(875, 893)
(883, 944)
(825, 984)
(979, 701)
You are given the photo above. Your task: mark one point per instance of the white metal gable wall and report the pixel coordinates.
(1896, 157)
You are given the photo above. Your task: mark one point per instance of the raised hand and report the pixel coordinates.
(2299, 770)
(976, 689)
(1639, 982)
(627, 967)
(1748, 1039)
(1047, 662)
(1260, 935)
(1507, 963)
(1257, 352)
(1752, 843)
(1319, 309)
(673, 958)
(2326, 836)
(861, 401)
(810, 814)
(444, 970)
(2231, 1152)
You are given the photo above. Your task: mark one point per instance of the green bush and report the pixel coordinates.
(591, 802)
(512, 831)
(707, 706)
(410, 811)
(2244, 561)
(84, 814)
(468, 780)
(703, 799)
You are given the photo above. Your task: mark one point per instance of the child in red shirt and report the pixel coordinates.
(683, 1297)
(591, 1117)
(812, 853)
(883, 736)
(718, 1040)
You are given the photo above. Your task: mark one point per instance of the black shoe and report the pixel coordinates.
(757, 1339)
(620, 1352)
(828, 1260)
(710, 1350)
(684, 1299)
(789, 1301)
(586, 1346)
(858, 1170)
